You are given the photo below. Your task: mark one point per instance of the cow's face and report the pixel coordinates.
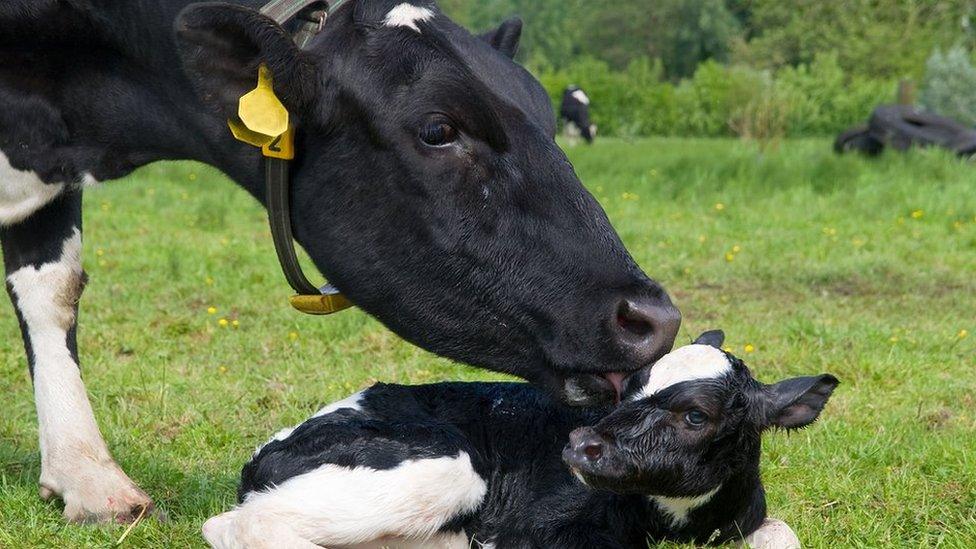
(429, 189)
(694, 420)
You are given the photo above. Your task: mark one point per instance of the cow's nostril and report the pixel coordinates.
(593, 451)
(631, 320)
(646, 328)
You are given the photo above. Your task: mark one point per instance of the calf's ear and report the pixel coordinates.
(797, 402)
(506, 37)
(222, 45)
(713, 338)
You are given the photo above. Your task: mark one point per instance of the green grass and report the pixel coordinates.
(833, 273)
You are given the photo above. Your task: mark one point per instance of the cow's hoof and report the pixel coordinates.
(96, 493)
(773, 534)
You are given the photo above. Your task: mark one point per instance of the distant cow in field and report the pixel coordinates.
(575, 111)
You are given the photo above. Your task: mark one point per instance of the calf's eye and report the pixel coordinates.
(696, 418)
(438, 133)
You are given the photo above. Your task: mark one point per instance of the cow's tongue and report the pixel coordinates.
(617, 380)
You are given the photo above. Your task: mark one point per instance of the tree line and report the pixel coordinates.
(766, 56)
(875, 38)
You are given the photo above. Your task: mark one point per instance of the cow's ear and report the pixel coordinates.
(797, 402)
(712, 338)
(222, 45)
(506, 37)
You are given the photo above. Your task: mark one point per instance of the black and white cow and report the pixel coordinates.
(505, 465)
(575, 112)
(427, 187)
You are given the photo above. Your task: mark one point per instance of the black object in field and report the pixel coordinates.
(902, 127)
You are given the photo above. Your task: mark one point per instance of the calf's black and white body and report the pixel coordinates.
(504, 465)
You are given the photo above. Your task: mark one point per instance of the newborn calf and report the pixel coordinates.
(488, 464)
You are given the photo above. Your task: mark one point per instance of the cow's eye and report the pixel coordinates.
(438, 133)
(696, 418)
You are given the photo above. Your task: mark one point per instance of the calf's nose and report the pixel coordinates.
(644, 327)
(585, 444)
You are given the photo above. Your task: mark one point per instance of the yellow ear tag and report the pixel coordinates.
(241, 133)
(325, 304)
(260, 109)
(282, 147)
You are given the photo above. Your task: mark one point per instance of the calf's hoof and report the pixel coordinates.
(773, 534)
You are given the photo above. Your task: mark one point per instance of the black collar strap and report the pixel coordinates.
(278, 151)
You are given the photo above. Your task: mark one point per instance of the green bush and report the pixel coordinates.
(807, 100)
(949, 87)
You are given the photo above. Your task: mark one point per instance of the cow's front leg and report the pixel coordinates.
(42, 257)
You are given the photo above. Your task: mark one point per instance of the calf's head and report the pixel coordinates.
(429, 189)
(691, 422)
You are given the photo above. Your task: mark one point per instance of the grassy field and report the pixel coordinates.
(810, 263)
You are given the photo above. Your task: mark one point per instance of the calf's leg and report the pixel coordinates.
(338, 507)
(42, 258)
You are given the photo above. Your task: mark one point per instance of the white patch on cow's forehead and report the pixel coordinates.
(581, 97)
(686, 364)
(408, 15)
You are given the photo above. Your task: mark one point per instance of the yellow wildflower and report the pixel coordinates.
(293, 336)
(719, 207)
(730, 257)
(918, 214)
(749, 348)
(223, 322)
(963, 334)
(211, 310)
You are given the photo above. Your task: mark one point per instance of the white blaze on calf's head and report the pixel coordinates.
(685, 364)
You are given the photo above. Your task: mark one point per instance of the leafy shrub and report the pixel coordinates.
(720, 100)
(949, 87)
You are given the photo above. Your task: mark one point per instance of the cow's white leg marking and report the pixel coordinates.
(75, 463)
(677, 509)
(22, 193)
(408, 15)
(773, 534)
(685, 364)
(353, 402)
(336, 506)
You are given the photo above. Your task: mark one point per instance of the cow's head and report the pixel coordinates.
(429, 189)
